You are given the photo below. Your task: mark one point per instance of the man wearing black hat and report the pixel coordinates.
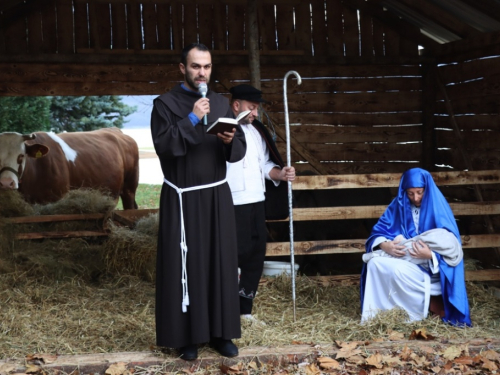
(258, 192)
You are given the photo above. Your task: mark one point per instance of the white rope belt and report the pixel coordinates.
(184, 249)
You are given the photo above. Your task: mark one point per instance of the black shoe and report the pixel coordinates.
(188, 352)
(225, 348)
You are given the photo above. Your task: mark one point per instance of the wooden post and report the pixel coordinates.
(253, 43)
(428, 110)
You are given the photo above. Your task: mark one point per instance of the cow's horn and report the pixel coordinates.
(27, 137)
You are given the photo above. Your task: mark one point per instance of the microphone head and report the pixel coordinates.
(202, 88)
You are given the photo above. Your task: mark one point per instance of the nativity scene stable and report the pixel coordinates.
(386, 86)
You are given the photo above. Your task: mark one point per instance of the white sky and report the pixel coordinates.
(141, 118)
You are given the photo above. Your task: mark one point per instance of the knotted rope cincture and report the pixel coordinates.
(183, 243)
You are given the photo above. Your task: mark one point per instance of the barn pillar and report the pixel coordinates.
(429, 79)
(253, 44)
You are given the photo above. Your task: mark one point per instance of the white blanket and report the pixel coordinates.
(439, 240)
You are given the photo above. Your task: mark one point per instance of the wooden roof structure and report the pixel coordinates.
(390, 83)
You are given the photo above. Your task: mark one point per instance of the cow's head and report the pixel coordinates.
(13, 153)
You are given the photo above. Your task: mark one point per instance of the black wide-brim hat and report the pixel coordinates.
(247, 92)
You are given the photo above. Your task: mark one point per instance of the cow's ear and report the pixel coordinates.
(36, 150)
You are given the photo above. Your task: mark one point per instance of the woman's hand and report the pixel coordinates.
(420, 250)
(392, 248)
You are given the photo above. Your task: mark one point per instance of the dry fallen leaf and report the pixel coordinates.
(312, 369)
(418, 360)
(391, 361)
(45, 358)
(253, 365)
(328, 363)
(491, 355)
(356, 359)
(405, 353)
(428, 350)
(489, 365)
(396, 336)
(6, 368)
(116, 368)
(32, 369)
(420, 334)
(375, 360)
(464, 360)
(346, 345)
(230, 369)
(452, 352)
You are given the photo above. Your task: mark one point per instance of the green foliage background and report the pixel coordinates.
(62, 113)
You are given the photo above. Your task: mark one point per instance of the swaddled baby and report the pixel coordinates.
(438, 240)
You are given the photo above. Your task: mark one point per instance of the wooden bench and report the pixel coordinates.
(389, 180)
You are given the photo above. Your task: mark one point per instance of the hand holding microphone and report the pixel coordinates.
(202, 88)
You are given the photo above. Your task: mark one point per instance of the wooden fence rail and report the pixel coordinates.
(389, 180)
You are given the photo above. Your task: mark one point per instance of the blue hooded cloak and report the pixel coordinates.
(435, 212)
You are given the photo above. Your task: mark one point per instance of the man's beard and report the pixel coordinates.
(245, 121)
(192, 85)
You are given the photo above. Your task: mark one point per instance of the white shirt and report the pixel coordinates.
(246, 177)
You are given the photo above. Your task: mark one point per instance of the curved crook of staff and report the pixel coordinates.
(288, 162)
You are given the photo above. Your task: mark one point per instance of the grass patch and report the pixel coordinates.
(146, 196)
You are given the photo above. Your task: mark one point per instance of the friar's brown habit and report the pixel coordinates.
(188, 158)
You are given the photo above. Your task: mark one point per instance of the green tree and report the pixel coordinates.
(84, 113)
(24, 114)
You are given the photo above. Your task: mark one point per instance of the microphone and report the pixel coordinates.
(202, 88)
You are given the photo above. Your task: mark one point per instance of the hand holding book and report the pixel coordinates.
(227, 124)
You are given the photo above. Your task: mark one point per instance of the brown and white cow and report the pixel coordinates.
(45, 166)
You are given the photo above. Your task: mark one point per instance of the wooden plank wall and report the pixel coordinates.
(469, 102)
(473, 91)
(312, 28)
(354, 119)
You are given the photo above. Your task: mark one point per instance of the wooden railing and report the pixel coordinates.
(339, 246)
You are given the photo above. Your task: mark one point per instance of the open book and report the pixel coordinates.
(226, 124)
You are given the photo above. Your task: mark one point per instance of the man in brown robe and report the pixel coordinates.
(197, 278)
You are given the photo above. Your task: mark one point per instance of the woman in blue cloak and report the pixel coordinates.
(415, 252)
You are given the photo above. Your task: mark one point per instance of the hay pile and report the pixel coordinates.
(133, 251)
(79, 296)
(74, 316)
(54, 259)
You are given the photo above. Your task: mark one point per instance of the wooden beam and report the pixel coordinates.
(379, 180)
(491, 8)
(226, 59)
(301, 150)
(53, 218)
(253, 43)
(404, 29)
(441, 17)
(9, 4)
(428, 111)
(475, 43)
(478, 241)
(374, 212)
(64, 234)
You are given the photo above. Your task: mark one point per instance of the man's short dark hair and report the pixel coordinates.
(189, 47)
